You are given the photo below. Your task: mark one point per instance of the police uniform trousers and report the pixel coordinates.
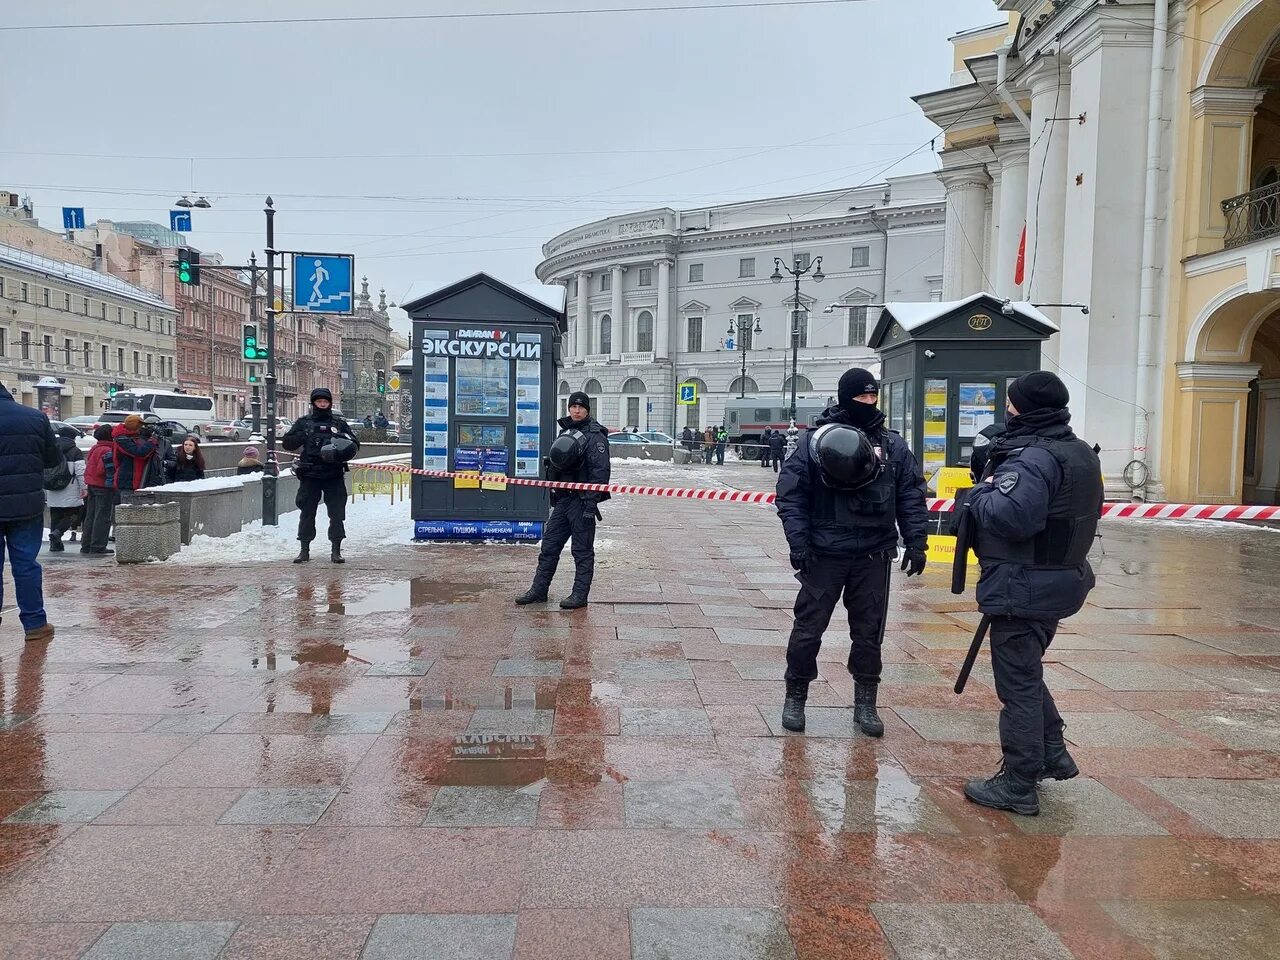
(864, 582)
(1028, 714)
(571, 517)
(334, 493)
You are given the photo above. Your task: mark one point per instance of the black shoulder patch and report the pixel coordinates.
(1006, 482)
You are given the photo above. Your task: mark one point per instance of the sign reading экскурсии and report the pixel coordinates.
(481, 343)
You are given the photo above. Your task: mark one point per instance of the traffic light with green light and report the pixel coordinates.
(188, 265)
(382, 381)
(253, 349)
(113, 389)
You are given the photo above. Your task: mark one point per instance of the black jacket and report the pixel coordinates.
(27, 447)
(799, 481)
(595, 465)
(777, 443)
(181, 470)
(307, 435)
(1017, 509)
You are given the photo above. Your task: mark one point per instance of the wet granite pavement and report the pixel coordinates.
(389, 760)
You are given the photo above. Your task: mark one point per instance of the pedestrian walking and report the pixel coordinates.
(764, 447)
(368, 420)
(100, 505)
(1035, 514)
(777, 449)
(325, 444)
(708, 444)
(580, 454)
(65, 489)
(188, 462)
(27, 450)
(845, 494)
(250, 461)
(722, 441)
(686, 438)
(133, 453)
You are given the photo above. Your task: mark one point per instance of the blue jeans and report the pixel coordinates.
(23, 538)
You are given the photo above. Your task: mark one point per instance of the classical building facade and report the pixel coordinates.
(658, 298)
(1136, 146)
(366, 349)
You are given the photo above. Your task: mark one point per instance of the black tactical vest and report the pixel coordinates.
(869, 509)
(1073, 513)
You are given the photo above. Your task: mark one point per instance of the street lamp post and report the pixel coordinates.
(814, 268)
(741, 327)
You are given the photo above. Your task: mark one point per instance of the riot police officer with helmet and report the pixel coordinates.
(580, 454)
(325, 444)
(1034, 513)
(844, 495)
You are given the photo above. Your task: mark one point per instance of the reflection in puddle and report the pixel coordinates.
(322, 653)
(496, 760)
(395, 596)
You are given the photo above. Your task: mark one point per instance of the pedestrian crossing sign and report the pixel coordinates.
(688, 394)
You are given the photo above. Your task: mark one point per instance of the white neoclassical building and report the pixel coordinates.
(657, 298)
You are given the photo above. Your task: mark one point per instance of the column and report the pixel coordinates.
(582, 323)
(1047, 189)
(662, 317)
(966, 188)
(615, 312)
(1011, 153)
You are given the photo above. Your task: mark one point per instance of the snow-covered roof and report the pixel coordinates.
(85, 277)
(912, 315)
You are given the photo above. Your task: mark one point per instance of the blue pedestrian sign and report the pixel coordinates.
(180, 221)
(323, 282)
(73, 218)
(688, 394)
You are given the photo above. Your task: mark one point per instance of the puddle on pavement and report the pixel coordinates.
(496, 760)
(395, 596)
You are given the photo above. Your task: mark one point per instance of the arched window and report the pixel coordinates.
(743, 385)
(564, 397)
(606, 334)
(693, 411)
(633, 385)
(803, 384)
(592, 388)
(644, 331)
(564, 388)
(632, 407)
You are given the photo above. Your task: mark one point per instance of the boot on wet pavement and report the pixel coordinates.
(793, 706)
(1005, 791)
(532, 595)
(864, 709)
(574, 601)
(336, 554)
(37, 634)
(1058, 764)
(55, 543)
(304, 552)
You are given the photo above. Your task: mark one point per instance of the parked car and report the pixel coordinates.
(84, 424)
(624, 443)
(392, 431)
(83, 440)
(234, 430)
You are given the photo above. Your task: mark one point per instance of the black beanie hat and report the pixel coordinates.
(854, 383)
(579, 399)
(1040, 390)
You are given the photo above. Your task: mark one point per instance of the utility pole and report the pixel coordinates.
(255, 403)
(270, 508)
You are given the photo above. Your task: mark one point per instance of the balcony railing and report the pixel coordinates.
(1252, 216)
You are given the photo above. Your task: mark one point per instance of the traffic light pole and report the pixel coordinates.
(270, 508)
(255, 402)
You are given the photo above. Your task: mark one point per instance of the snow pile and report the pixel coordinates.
(208, 483)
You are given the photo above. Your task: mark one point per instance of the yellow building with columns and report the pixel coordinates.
(1137, 144)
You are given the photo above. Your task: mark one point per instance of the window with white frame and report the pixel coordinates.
(646, 276)
(695, 273)
(105, 356)
(857, 326)
(606, 334)
(745, 324)
(4, 341)
(747, 267)
(25, 293)
(693, 341)
(644, 331)
(606, 282)
(66, 302)
(801, 261)
(88, 355)
(48, 294)
(861, 257)
(48, 349)
(25, 339)
(800, 326)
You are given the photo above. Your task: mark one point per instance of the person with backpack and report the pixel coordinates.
(134, 450)
(100, 507)
(65, 489)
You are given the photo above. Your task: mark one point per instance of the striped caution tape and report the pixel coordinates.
(1152, 511)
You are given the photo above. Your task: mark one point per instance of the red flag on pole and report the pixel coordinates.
(1020, 267)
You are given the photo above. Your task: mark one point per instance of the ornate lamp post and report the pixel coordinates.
(741, 328)
(814, 268)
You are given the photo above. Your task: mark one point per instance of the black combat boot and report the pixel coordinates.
(793, 706)
(1005, 791)
(55, 543)
(574, 601)
(532, 595)
(864, 709)
(304, 552)
(1058, 764)
(336, 554)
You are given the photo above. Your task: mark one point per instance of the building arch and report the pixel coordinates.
(592, 388)
(743, 384)
(693, 411)
(803, 384)
(1240, 49)
(633, 404)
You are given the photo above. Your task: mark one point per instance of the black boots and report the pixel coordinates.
(864, 709)
(532, 595)
(1005, 791)
(573, 601)
(304, 552)
(793, 706)
(336, 554)
(55, 543)
(1058, 764)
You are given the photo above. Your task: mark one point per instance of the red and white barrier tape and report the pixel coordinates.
(1152, 511)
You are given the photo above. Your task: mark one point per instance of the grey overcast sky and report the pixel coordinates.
(434, 148)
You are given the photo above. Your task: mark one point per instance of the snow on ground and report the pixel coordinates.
(664, 473)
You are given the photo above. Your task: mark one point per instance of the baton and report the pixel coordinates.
(967, 667)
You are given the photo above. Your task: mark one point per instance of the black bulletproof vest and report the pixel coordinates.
(1073, 513)
(870, 508)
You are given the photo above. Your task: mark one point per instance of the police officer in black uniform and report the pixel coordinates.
(1035, 514)
(580, 454)
(326, 444)
(844, 495)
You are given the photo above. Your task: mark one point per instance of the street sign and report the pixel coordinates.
(180, 221)
(73, 218)
(323, 282)
(394, 382)
(688, 394)
(648, 407)
(728, 344)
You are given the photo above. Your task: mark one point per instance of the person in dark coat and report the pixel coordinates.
(188, 462)
(27, 449)
(321, 473)
(574, 514)
(100, 478)
(686, 437)
(1035, 513)
(722, 441)
(844, 543)
(66, 502)
(251, 462)
(764, 447)
(134, 450)
(777, 449)
(161, 467)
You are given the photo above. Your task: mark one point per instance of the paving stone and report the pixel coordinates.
(1241, 729)
(665, 722)
(1085, 808)
(818, 722)
(1138, 676)
(159, 940)
(483, 807)
(755, 638)
(1233, 808)
(887, 805)
(654, 670)
(442, 937)
(682, 804)
(526, 667)
(709, 934)
(336, 723)
(66, 806)
(1236, 677)
(1118, 729)
(1192, 930)
(401, 668)
(519, 721)
(280, 805)
(992, 931)
(189, 723)
(952, 726)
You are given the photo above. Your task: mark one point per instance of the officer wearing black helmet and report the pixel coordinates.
(1035, 512)
(844, 496)
(326, 443)
(580, 454)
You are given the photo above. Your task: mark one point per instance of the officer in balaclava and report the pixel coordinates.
(580, 454)
(844, 496)
(325, 444)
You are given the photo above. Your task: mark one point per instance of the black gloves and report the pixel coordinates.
(800, 560)
(913, 562)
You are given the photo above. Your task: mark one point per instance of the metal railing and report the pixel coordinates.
(1252, 216)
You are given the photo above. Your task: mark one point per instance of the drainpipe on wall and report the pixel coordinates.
(1150, 266)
